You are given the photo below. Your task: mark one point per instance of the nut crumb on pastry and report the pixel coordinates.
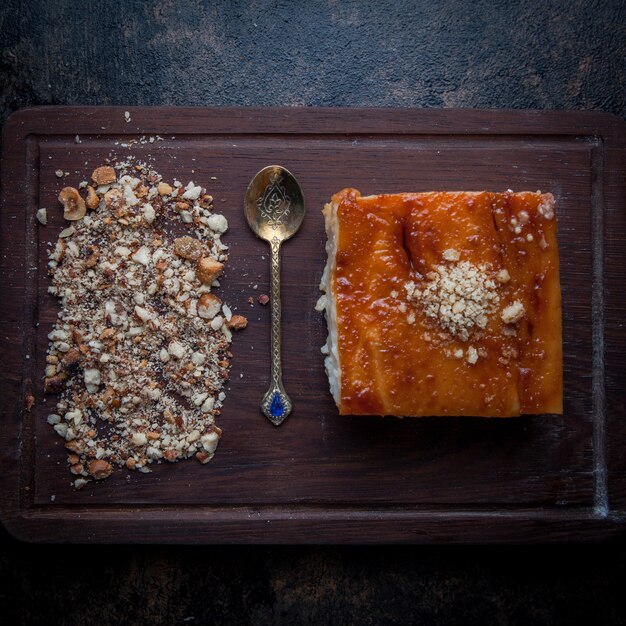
(513, 313)
(458, 297)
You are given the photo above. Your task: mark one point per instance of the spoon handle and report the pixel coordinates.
(276, 404)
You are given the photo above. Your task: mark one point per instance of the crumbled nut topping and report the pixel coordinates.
(459, 297)
(503, 276)
(472, 355)
(513, 313)
(546, 207)
(451, 254)
(140, 352)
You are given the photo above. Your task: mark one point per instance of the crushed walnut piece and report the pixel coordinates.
(140, 353)
(73, 205)
(103, 175)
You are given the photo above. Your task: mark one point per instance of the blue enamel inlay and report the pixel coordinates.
(277, 408)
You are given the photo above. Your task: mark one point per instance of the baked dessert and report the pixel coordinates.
(443, 303)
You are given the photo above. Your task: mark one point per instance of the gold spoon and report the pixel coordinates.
(274, 208)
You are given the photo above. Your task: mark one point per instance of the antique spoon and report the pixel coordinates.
(274, 208)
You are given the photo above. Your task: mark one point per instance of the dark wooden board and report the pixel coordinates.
(321, 477)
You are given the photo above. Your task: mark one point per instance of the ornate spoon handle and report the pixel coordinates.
(276, 404)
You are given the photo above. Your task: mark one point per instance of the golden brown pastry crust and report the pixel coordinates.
(447, 303)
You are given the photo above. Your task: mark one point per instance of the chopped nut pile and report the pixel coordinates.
(140, 352)
(458, 296)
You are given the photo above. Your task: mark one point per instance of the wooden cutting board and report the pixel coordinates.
(321, 477)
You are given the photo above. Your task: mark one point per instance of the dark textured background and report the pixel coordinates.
(539, 54)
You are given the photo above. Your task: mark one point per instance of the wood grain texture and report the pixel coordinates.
(321, 477)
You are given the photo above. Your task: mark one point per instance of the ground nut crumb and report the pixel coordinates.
(547, 205)
(176, 349)
(472, 355)
(218, 223)
(188, 248)
(140, 352)
(100, 469)
(164, 189)
(103, 175)
(503, 276)
(237, 322)
(451, 254)
(74, 207)
(92, 201)
(192, 192)
(209, 305)
(208, 269)
(513, 313)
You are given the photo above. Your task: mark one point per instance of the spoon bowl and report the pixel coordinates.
(274, 208)
(274, 204)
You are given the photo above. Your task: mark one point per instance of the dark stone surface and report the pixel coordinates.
(532, 54)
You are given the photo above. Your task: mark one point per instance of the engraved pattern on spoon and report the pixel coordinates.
(274, 204)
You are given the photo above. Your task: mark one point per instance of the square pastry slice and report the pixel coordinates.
(443, 303)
